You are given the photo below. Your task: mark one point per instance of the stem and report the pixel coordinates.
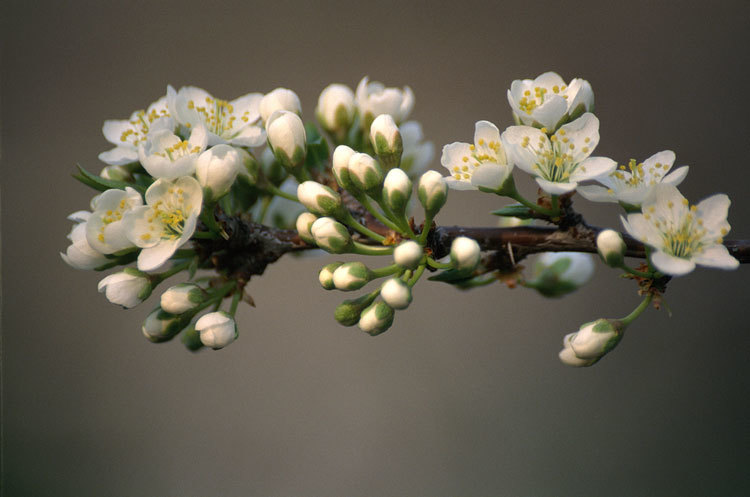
(158, 278)
(264, 208)
(274, 190)
(399, 220)
(216, 297)
(235, 302)
(416, 276)
(349, 219)
(425, 229)
(635, 272)
(208, 218)
(637, 311)
(362, 249)
(512, 192)
(438, 265)
(555, 199)
(362, 199)
(386, 271)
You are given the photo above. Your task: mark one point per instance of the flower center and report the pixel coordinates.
(218, 115)
(555, 159)
(634, 174)
(140, 125)
(179, 150)
(529, 102)
(482, 152)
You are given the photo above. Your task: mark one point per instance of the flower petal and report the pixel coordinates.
(556, 188)
(593, 168)
(596, 193)
(716, 256)
(490, 175)
(582, 136)
(525, 158)
(641, 229)
(676, 177)
(670, 264)
(154, 257)
(458, 184)
(714, 211)
(119, 156)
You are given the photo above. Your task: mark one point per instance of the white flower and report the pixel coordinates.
(287, 138)
(335, 110)
(611, 247)
(217, 329)
(373, 99)
(559, 273)
(376, 319)
(351, 276)
(408, 254)
(128, 134)
(633, 183)
(417, 153)
(432, 192)
(486, 157)
(683, 235)
(319, 199)
(561, 161)
(304, 222)
(165, 155)
(568, 356)
(548, 102)
(591, 342)
(234, 122)
(396, 190)
(181, 298)
(105, 230)
(79, 253)
(127, 288)
(279, 99)
(331, 236)
(217, 168)
(465, 253)
(167, 221)
(396, 293)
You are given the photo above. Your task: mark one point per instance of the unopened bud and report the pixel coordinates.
(611, 247)
(386, 140)
(127, 288)
(432, 192)
(396, 293)
(217, 329)
(349, 311)
(335, 111)
(376, 319)
(568, 356)
(161, 326)
(287, 138)
(272, 169)
(559, 273)
(216, 170)
(397, 190)
(304, 224)
(340, 166)
(116, 173)
(325, 276)
(191, 339)
(365, 173)
(408, 254)
(249, 165)
(319, 199)
(465, 253)
(351, 276)
(181, 298)
(279, 99)
(593, 340)
(331, 235)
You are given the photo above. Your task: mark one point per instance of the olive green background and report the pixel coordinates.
(465, 394)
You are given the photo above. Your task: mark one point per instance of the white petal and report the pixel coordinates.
(523, 157)
(670, 264)
(485, 130)
(593, 168)
(153, 257)
(137, 228)
(585, 127)
(119, 156)
(211, 319)
(665, 158)
(675, 177)
(713, 210)
(548, 80)
(458, 184)
(490, 175)
(595, 193)
(453, 155)
(249, 136)
(157, 190)
(556, 188)
(716, 256)
(549, 113)
(641, 229)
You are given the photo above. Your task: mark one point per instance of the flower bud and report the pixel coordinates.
(279, 99)
(465, 253)
(396, 293)
(365, 173)
(595, 339)
(335, 111)
(408, 254)
(304, 223)
(161, 326)
(351, 276)
(376, 319)
(287, 138)
(319, 199)
(568, 356)
(217, 329)
(611, 247)
(272, 169)
(116, 173)
(325, 276)
(248, 166)
(432, 192)
(559, 273)
(386, 140)
(181, 298)
(349, 311)
(216, 170)
(397, 190)
(340, 166)
(127, 288)
(331, 235)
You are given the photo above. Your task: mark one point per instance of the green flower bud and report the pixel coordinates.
(376, 319)
(396, 293)
(335, 111)
(432, 192)
(611, 247)
(559, 273)
(116, 173)
(365, 173)
(181, 298)
(465, 253)
(351, 276)
(349, 311)
(340, 166)
(386, 140)
(325, 276)
(304, 223)
(161, 326)
(408, 254)
(191, 338)
(397, 190)
(287, 138)
(331, 235)
(319, 199)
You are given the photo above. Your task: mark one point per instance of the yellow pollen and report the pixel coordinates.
(465, 159)
(146, 236)
(481, 141)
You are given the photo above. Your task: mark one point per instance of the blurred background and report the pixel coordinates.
(465, 394)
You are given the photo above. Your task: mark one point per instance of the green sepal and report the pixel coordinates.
(453, 276)
(191, 339)
(348, 312)
(516, 210)
(101, 184)
(317, 149)
(192, 268)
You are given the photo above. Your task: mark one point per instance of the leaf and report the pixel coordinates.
(452, 276)
(317, 149)
(101, 184)
(516, 210)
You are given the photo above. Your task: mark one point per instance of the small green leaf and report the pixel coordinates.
(516, 210)
(453, 276)
(101, 184)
